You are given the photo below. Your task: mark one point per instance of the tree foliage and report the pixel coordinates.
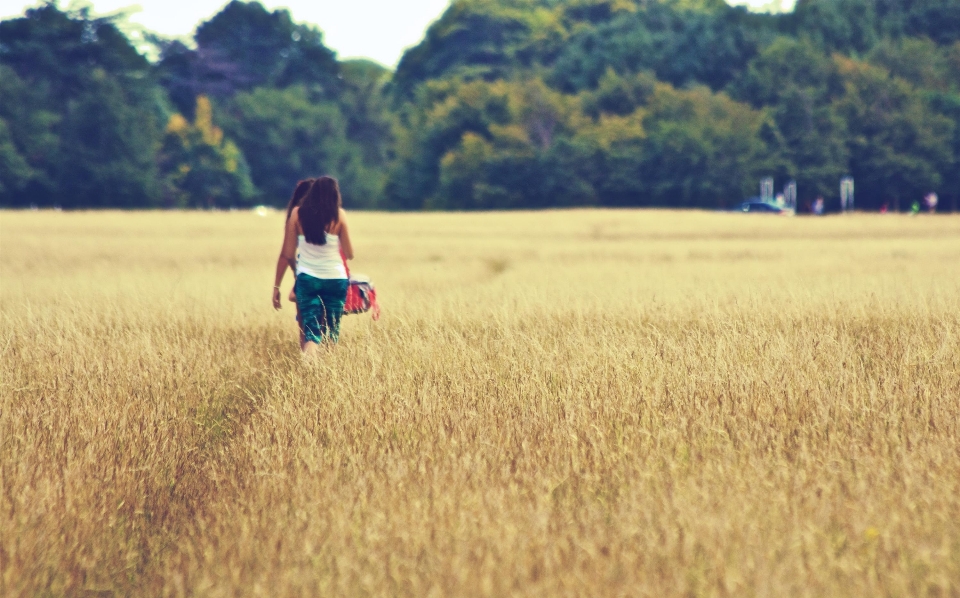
(243, 47)
(504, 104)
(81, 115)
(898, 145)
(201, 168)
(709, 98)
(87, 121)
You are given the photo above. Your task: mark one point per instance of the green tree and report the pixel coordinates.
(15, 171)
(243, 47)
(498, 145)
(28, 144)
(201, 168)
(948, 104)
(681, 42)
(504, 104)
(702, 149)
(798, 85)
(934, 71)
(532, 157)
(938, 20)
(619, 95)
(481, 39)
(858, 25)
(918, 61)
(82, 110)
(845, 25)
(365, 105)
(899, 145)
(287, 135)
(432, 125)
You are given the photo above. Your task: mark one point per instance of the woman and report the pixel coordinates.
(299, 192)
(318, 228)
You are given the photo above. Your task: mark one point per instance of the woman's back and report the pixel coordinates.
(320, 261)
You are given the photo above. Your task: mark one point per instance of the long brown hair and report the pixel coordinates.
(298, 194)
(319, 209)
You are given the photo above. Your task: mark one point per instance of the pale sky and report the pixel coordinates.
(377, 29)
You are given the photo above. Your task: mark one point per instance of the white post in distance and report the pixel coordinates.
(766, 190)
(846, 194)
(790, 195)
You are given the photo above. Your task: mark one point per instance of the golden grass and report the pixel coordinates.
(580, 403)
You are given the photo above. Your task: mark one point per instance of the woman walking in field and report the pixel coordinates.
(299, 192)
(318, 227)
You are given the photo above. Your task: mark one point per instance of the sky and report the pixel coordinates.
(376, 29)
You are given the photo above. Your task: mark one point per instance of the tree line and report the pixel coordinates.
(504, 104)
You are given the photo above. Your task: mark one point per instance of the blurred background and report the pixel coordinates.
(482, 104)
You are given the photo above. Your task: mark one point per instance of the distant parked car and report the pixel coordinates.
(759, 207)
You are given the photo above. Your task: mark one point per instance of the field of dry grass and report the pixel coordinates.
(581, 403)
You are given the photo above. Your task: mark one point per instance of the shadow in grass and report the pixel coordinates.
(497, 266)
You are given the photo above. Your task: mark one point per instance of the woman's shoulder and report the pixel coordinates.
(340, 223)
(293, 222)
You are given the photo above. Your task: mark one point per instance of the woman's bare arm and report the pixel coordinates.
(344, 235)
(288, 255)
(293, 264)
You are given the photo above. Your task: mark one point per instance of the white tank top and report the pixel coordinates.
(320, 261)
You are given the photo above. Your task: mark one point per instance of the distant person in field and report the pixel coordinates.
(299, 192)
(317, 227)
(818, 206)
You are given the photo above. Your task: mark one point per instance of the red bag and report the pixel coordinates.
(361, 294)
